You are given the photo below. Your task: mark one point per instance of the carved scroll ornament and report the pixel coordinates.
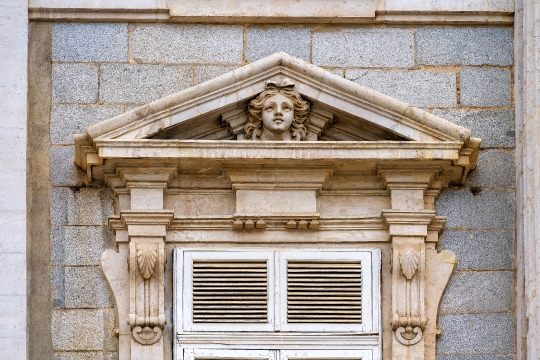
(408, 320)
(147, 323)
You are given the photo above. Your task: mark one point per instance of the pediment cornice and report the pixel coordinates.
(186, 124)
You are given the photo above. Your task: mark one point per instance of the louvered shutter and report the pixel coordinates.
(326, 291)
(222, 289)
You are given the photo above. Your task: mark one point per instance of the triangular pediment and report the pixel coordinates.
(341, 109)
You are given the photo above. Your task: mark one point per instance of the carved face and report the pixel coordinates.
(278, 114)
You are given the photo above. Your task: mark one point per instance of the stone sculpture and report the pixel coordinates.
(278, 113)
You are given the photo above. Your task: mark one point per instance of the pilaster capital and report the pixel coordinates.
(408, 223)
(408, 177)
(140, 223)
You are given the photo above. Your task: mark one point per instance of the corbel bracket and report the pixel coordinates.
(146, 320)
(409, 231)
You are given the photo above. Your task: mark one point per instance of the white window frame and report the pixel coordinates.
(368, 293)
(187, 290)
(329, 354)
(277, 291)
(337, 354)
(211, 354)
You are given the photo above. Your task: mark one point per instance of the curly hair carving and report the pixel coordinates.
(298, 130)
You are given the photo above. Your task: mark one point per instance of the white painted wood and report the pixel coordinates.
(365, 257)
(228, 340)
(277, 289)
(187, 293)
(328, 354)
(277, 340)
(211, 354)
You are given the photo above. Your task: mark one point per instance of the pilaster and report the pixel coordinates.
(414, 230)
(140, 230)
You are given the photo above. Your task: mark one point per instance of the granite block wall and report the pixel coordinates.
(463, 74)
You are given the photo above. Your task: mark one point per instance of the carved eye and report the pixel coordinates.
(269, 108)
(286, 107)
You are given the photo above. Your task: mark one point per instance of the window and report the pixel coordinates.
(277, 304)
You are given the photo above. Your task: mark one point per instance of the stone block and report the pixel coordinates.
(479, 292)
(57, 282)
(485, 87)
(495, 169)
(13, 347)
(12, 316)
(97, 42)
(59, 201)
(89, 206)
(85, 287)
(83, 329)
(388, 47)
(68, 120)
(418, 88)
(464, 46)
(14, 224)
(338, 72)
(62, 168)
(86, 206)
(480, 357)
(13, 142)
(59, 198)
(78, 245)
(141, 84)
(208, 72)
(12, 190)
(89, 355)
(496, 128)
(190, 43)
(75, 83)
(481, 249)
(264, 41)
(485, 209)
(13, 274)
(476, 334)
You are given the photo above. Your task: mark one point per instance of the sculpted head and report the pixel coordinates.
(278, 113)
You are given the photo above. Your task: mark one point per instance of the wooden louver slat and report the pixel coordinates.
(324, 292)
(230, 291)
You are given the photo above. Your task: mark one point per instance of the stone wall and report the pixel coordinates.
(461, 74)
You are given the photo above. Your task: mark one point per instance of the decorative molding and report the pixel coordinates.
(409, 263)
(408, 310)
(272, 221)
(285, 340)
(322, 88)
(275, 193)
(146, 258)
(499, 16)
(235, 120)
(147, 323)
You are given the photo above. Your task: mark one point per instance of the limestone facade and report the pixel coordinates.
(102, 69)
